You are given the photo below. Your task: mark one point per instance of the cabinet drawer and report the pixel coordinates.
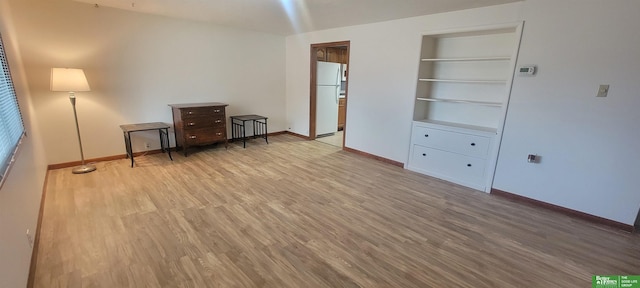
(200, 122)
(450, 166)
(204, 136)
(467, 144)
(202, 111)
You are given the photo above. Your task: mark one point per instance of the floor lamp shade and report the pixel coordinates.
(72, 80)
(68, 80)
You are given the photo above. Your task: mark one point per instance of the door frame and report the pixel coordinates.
(312, 84)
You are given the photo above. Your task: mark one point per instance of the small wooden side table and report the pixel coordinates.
(163, 131)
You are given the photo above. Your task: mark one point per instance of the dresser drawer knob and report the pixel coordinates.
(216, 111)
(219, 134)
(426, 135)
(218, 121)
(473, 144)
(193, 137)
(190, 112)
(468, 165)
(424, 154)
(191, 124)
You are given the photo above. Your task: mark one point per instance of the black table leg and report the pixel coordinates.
(164, 141)
(161, 140)
(234, 130)
(129, 149)
(244, 134)
(254, 128)
(265, 131)
(126, 143)
(166, 138)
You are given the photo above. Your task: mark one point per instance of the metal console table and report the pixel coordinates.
(238, 127)
(163, 131)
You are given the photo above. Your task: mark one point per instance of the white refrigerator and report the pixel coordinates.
(327, 95)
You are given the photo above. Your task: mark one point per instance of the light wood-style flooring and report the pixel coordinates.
(335, 139)
(298, 213)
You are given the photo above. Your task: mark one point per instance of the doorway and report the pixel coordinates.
(329, 100)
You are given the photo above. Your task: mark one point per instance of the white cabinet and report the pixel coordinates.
(467, 144)
(463, 87)
(456, 155)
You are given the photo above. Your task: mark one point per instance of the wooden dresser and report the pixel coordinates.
(199, 124)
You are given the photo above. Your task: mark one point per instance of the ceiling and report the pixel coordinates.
(286, 17)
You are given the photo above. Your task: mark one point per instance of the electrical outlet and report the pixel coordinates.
(29, 238)
(146, 145)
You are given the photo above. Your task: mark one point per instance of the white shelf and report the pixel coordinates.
(498, 58)
(463, 81)
(460, 127)
(484, 103)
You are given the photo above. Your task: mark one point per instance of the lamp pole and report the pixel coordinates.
(83, 168)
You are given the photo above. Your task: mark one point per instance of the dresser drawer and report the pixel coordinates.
(200, 122)
(204, 135)
(467, 144)
(449, 166)
(192, 112)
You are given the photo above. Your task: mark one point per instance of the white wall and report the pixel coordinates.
(20, 194)
(589, 146)
(383, 74)
(136, 64)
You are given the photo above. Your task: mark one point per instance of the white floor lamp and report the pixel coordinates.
(72, 80)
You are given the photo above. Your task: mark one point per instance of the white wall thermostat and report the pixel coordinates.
(527, 70)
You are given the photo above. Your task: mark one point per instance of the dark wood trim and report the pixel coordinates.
(563, 210)
(382, 159)
(313, 61)
(36, 240)
(312, 91)
(346, 96)
(298, 135)
(332, 44)
(277, 133)
(100, 159)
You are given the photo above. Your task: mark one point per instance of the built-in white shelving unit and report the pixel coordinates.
(463, 86)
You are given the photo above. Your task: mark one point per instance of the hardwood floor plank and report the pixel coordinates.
(296, 213)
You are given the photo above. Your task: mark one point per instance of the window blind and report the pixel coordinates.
(11, 126)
